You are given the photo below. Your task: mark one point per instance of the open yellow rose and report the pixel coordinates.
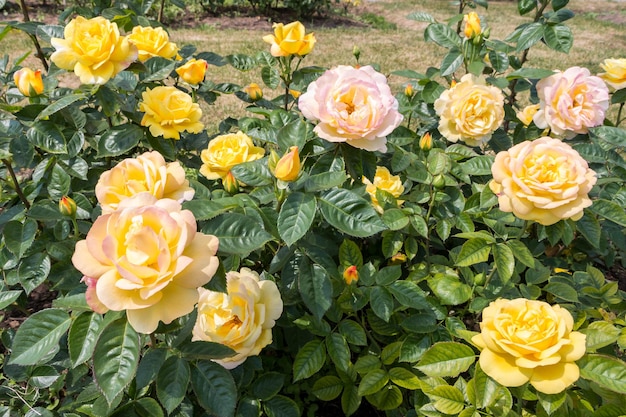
(242, 318)
(93, 49)
(385, 181)
(226, 151)
(528, 340)
(152, 42)
(147, 258)
(29, 82)
(169, 111)
(544, 180)
(470, 111)
(147, 173)
(614, 72)
(290, 39)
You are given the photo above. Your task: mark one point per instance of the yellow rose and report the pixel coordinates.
(169, 111)
(254, 92)
(544, 180)
(93, 49)
(527, 340)
(526, 115)
(288, 167)
(152, 42)
(385, 181)
(290, 40)
(147, 173)
(193, 71)
(29, 82)
(470, 111)
(242, 318)
(147, 259)
(226, 151)
(614, 72)
(472, 25)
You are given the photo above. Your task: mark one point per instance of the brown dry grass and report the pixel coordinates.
(599, 29)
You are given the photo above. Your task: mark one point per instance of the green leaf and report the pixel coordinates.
(241, 62)
(395, 219)
(119, 140)
(172, 382)
(404, 378)
(442, 35)
(82, 337)
(530, 73)
(389, 398)
(525, 6)
(18, 236)
(562, 291)
(8, 297)
(350, 400)
(293, 133)
(205, 350)
(115, 358)
(33, 270)
(499, 61)
(505, 261)
(609, 210)
(296, 216)
(373, 382)
(447, 399)
(47, 136)
(607, 371)
(149, 366)
(38, 336)
(350, 254)
(281, 406)
(551, 402)
(205, 209)
(589, 227)
(338, 350)
(349, 213)
(478, 165)
(253, 173)
(309, 359)
(142, 407)
(267, 385)
(483, 389)
(214, 388)
(530, 35)
(353, 332)
(238, 234)
(59, 185)
(270, 77)
(600, 334)
(381, 302)
(449, 289)
(472, 252)
(60, 104)
(421, 17)
(409, 294)
(521, 252)
(327, 388)
(315, 288)
(451, 62)
(559, 4)
(558, 37)
(446, 359)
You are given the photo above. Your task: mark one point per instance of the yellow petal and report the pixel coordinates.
(554, 378)
(502, 368)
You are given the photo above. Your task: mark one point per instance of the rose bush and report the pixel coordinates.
(342, 249)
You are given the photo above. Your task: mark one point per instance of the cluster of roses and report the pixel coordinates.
(144, 254)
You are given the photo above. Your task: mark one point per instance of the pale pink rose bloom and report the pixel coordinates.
(352, 105)
(544, 180)
(571, 102)
(242, 318)
(146, 173)
(146, 258)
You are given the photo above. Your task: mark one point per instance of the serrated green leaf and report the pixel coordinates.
(558, 37)
(296, 216)
(238, 234)
(47, 136)
(205, 350)
(551, 402)
(409, 294)
(315, 288)
(525, 6)
(18, 236)
(293, 133)
(33, 271)
(504, 260)
(350, 254)
(472, 252)
(327, 388)
(82, 337)
(562, 291)
(373, 382)
(451, 62)
(349, 213)
(309, 359)
(521, 252)
(609, 210)
(381, 302)
(119, 140)
(281, 406)
(449, 289)
(142, 407)
(607, 371)
(404, 378)
(446, 359)
(38, 335)
(116, 357)
(353, 332)
(350, 400)
(388, 398)
(172, 382)
(530, 35)
(270, 77)
(338, 350)
(253, 173)
(447, 399)
(478, 165)
(600, 334)
(482, 389)
(442, 35)
(267, 385)
(60, 104)
(214, 387)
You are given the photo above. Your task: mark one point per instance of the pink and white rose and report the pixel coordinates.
(352, 105)
(571, 102)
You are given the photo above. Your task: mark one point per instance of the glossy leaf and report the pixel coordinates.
(82, 337)
(327, 388)
(446, 359)
(172, 382)
(18, 236)
(349, 213)
(609, 372)
(472, 252)
(281, 406)
(38, 335)
(309, 359)
(404, 378)
(214, 388)
(373, 382)
(119, 140)
(338, 350)
(315, 288)
(296, 216)
(504, 260)
(447, 399)
(238, 234)
(267, 385)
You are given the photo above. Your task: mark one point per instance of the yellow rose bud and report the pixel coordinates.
(408, 90)
(356, 51)
(350, 274)
(67, 206)
(397, 259)
(426, 142)
(193, 71)
(29, 82)
(254, 92)
(152, 42)
(290, 40)
(526, 115)
(472, 25)
(288, 167)
(230, 183)
(295, 93)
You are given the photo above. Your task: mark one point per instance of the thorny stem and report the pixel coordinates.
(18, 189)
(32, 37)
